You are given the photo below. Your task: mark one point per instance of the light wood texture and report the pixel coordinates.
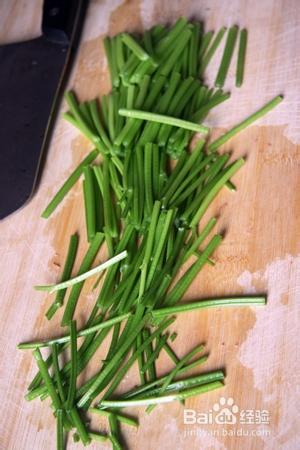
(261, 252)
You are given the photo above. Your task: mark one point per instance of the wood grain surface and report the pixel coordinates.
(259, 348)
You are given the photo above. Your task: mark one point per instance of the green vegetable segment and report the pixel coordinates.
(153, 117)
(241, 58)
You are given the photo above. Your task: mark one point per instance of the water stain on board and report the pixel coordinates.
(275, 337)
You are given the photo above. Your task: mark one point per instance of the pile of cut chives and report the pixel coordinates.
(147, 213)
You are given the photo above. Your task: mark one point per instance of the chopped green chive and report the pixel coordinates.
(135, 47)
(245, 123)
(241, 58)
(205, 43)
(166, 398)
(210, 303)
(120, 417)
(227, 55)
(59, 430)
(47, 379)
(211, 50)
(85, 265)
(71, 255)
(85, 332)
(65, 284)
(140, 358)
(111, 62)
(74, 363)
(68, 184)
(89, 203)
(168, 120)
(57, 374)
(216, 188)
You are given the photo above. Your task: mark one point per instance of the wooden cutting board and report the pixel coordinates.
(261, 253)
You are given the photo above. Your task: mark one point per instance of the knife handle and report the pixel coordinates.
(59, 19)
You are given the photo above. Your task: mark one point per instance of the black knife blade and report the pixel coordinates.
(32, 76)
